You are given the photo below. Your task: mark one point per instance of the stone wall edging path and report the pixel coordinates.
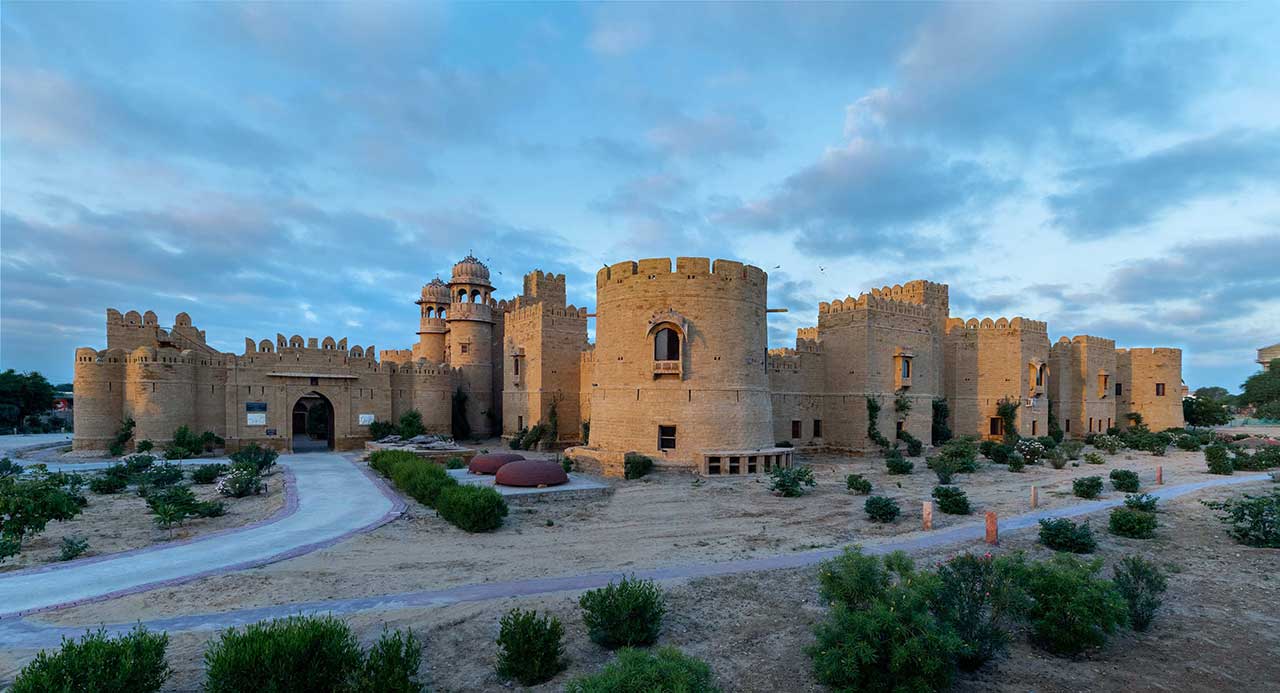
(21, 632)
(333, 499)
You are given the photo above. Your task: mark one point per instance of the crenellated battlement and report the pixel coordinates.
(784, 359)
(297, 345)
(1020, 324)
(917, 291)
(1165, 352)
(1086, 340)
(875, 301)
(686, 269)
(545, 287)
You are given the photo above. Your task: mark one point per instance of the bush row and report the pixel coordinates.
(467, 507)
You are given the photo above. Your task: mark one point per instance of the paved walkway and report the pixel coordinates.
(23, 633)
(332, 499)
(11, 445)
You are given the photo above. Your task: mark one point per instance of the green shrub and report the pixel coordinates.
(456, 463)
(1141, 583)
(1253, 520)
(72, 547)
(136, 464)
(240, 482)
(893, 643)
(1016, 461)
(963, 453)
(1135, 524)
(637, 671)
(421, 480)
(1069, 608)
(790, 482)
(391, 665)
(1057, 458)
(914, 446)
(208, 473)
(131, 663)
(1124, 480)
(566, 464)
(177, 497)
(882, 509)
(636, 465)
(623, 614)
(471, 508)
(1031, 449)
(1218, 458)
(977, 599)
(144, 446)
(184, 445)
(381, 429)
(161, 475)
(411, 424)
(852, 578)
(1108, 443)
(897, 464)
(944, 467)
(783, 444)
(1061, 534)
(858, 484)
(530, 647)
(1265, 457)
(952, 500)
(9, 468)
(298, 653)
(252, 455)
(517, 440)
(210, 509)
(1049, 442)
(1142, 501)
(988, 449)
(941, 412)
(109, 483)
(1071, 448)
(29, 502)
(1187, 442)
(115, 449)
(1087, 486)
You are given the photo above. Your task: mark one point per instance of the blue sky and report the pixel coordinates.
(1112, 169)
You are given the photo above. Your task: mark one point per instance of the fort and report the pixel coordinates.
(680, 370)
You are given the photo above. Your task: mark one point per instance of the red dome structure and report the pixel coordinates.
(490, 463)
(530, 473)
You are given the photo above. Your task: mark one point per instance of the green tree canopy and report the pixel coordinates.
(1262, 387)
(1214, 394)
(1200, 411)
(23, 394)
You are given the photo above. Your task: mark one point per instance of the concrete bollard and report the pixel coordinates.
(1035, 498)
(993, 529)
(1159, 474)
(928, 515)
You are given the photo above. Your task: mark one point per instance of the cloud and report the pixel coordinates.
(867, 197)
(713, 135)
(1106, 199)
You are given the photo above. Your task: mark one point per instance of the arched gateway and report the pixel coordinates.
(311, 425)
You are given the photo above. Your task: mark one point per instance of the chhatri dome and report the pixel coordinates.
(435, 291)
(470, 271)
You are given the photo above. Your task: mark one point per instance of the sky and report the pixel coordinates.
(289, 168)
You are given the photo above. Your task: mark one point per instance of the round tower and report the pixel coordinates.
(681, 359)
(470, 321)
(99, 405)
(159, 392)
(433, 306)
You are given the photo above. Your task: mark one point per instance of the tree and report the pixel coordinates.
(1263, 387)
(1214, 394)
(23, 394)
(1204, 412)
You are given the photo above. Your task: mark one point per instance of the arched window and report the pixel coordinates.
(429, 312)
(462, 295)
(666, 345)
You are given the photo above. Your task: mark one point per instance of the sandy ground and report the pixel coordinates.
(661, 520)
(1218, 630)
(121, 521)
(1221, 628)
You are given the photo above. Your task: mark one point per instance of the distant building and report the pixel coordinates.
(1267, 354)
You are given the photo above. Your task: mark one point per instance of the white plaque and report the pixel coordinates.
(366, 419)
(256, 418)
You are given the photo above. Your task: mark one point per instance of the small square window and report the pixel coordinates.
(1159, 389)
(666, 437)
(465, 348)
(315, 381)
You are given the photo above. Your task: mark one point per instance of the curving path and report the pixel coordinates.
(23, 633)
(331, 498)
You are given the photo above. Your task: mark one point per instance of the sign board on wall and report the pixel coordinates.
(254, 418)
(366, 419)
(271, 431)
(255, 406)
